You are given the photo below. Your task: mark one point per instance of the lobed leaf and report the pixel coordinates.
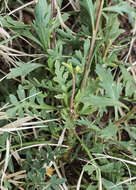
(23, 69)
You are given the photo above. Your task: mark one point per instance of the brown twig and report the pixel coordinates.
(88, 63)
(123, 119)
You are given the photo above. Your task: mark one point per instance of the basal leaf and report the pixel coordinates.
(42, 23)
(23, 69)
(100, 101)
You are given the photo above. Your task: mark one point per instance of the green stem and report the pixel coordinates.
(85, 148)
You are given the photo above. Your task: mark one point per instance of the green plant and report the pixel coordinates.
(72, 92)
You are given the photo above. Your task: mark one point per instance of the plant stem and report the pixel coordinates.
(123, 119)
(73, 91)
(86, 149)
(88, 63)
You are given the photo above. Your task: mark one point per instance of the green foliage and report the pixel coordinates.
(23, 69)
(96, 124)
(54, 182)
(89, 7)
(112, 31)
(9, 23)
(37, 171)
(129, 82)
(31, 105)
(42, 23)
(121, 8)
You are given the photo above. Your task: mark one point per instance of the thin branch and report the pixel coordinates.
(132, 42)
(123, 119)
(63, 25)
(23, 6)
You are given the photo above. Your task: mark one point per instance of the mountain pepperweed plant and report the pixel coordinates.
(68, 95)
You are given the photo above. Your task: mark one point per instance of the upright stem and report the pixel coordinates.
(88, 63)
(73, 92)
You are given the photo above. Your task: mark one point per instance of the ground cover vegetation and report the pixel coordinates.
(67, 95)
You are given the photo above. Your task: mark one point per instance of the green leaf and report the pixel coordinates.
(11, 165)
(130, 88)
(56, 23)
(41, 10)
(14, 100)
(60, 96)
(99, 101)
(32, 93)
(42, 24)
(92, 187)
(129, 83)
(11, 112)
(86, 47)
(21, 92)
(109, 132)
(89, 7)
(9, 23)
(86, 122)
(41, 98)
(89, 169)
(120, 8)
(23, 69)
(113, 90)
(69, 67)
(108, 184)
(61, 76)
(92, 87)
(56, 181)
(66, 34)
(74, 61)
(20, 111)
(112, 30)
(36, 106)
(29, 35)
